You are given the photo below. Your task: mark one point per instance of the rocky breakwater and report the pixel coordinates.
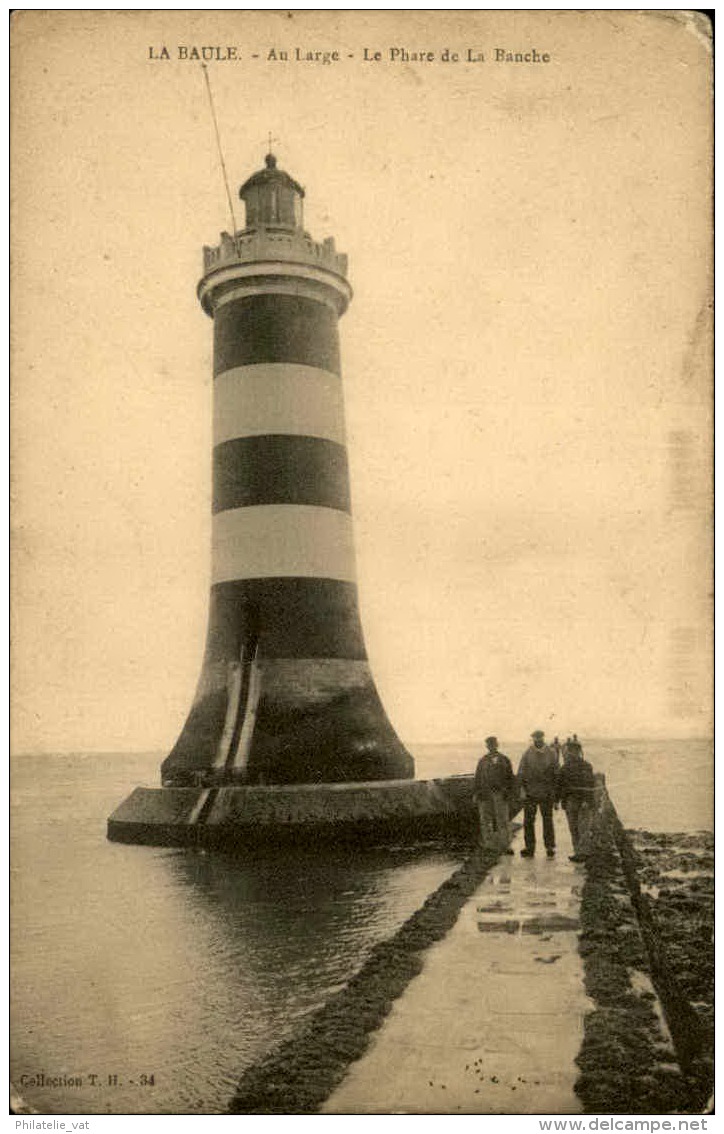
(672, 883)
(646, 921)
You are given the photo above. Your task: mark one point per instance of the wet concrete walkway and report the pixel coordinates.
(494, 1021)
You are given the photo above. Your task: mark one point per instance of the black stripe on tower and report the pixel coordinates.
(275, 328)
(278, 468)
(290, 617)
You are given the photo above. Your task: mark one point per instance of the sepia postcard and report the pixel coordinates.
(361, 462)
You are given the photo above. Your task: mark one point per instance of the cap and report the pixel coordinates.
(538, 734)
(491, 740)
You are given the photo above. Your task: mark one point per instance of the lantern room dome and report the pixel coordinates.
(272, 198)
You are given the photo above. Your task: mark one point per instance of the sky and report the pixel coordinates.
(526, 359)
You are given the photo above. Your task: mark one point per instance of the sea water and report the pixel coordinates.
(144, 979)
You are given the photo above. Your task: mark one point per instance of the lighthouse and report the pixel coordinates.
(285, 693)
(286, 741)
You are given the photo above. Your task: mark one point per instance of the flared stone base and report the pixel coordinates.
(233, 817)
(298, 720)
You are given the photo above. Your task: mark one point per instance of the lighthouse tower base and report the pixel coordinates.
(234, 817)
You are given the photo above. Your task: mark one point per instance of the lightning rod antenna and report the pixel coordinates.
(221, 152)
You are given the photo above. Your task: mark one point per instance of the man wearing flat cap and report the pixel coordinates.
(494, 789)
(537, 777)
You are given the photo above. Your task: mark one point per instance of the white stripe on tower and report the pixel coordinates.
(278, 397)
(282, 540)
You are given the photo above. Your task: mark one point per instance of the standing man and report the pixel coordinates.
(494, 787)
(537, 775)
(576, 789)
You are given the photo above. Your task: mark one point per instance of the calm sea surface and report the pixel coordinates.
(185, 966)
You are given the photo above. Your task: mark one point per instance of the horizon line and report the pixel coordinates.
(80, 751)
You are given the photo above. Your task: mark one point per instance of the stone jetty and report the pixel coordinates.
(521, 986)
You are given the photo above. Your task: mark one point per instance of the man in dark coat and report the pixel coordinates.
(494, 789)
(576, 789)
(537, 774)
